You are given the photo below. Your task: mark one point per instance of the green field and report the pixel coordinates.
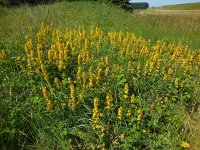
(190, 6)
(85, 75)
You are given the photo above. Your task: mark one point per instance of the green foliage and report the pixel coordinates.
(25, 122)
(122, 3)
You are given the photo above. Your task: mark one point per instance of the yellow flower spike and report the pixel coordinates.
(163, 71)
(122, 136)
(88, 56)
(49, 55)
(169, 71)
(126, 91)
(81, 97)
(4, 55)
(46, 76)
(99, 74)
(129, 66)
(164, 77)
(128, 114)
(60, 58)
(39, 53)
(42, 27)
(58, 83)
(109, 100)
(138, 70)
(106, 60)
(49, 105)
(96, 114)
(176, 82)
(107, 71)
(72, 102)
(70, 80)
(91, 80)
(39, 36)
(79, 59)
(30, 66)
(185, 145)
(65, 53)
(139, 115)
(132, 100)
(38, 72)
(45, 93)
(120, 110)
(78, 75)
(84, 76)
(151, 65)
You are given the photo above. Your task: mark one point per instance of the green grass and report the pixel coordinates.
(170, 28)
(24, 120)
(189, 6)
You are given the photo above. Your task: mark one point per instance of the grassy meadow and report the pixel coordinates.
(190, 6)
(85, 75)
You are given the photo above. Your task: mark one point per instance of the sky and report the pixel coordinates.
(155, 3)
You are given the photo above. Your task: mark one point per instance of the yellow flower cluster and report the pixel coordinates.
(109, 100)
(3, 55)
(46, 96)
(185, 145)
(92, 60)
(139, 115)
(72, 102)
(96, 116)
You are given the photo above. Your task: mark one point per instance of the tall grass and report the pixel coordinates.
(170, 28)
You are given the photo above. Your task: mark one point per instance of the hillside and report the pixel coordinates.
(189, 6)
(177, 28)
(85, 75)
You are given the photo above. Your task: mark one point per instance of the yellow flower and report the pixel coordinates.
(122, 137)
(107, 71)
(106, 60)
(126, 90)
(128, 113)
(109, 100)
(176, 82)
(63, 105)
(39, 36)
(164, 77)
(170, 71)
(58, 83)
(91, 80)
(139, 114)
(132, 100)
(84, 79)
(185, 145)
(72, 102)
(138, 70)
(49, 105)
(81, 97)
(120, 113)
(99, 74)
(45, 92)
(95, 110)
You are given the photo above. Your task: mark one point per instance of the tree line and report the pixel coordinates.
(122, 3)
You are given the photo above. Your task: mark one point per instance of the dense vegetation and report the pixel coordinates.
(122, 3)
(91, 81)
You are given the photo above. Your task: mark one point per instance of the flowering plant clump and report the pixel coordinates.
(126, 86)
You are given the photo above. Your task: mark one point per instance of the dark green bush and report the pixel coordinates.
(122, 3)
